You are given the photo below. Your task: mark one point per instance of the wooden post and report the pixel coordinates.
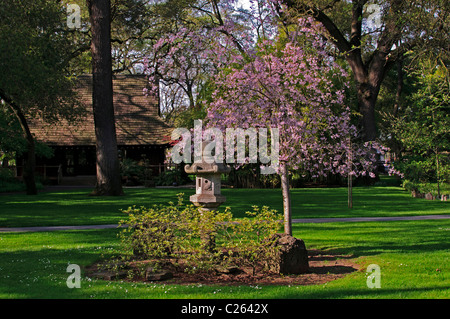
(437, 173)
(286, 199)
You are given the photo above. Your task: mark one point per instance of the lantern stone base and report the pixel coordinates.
(207, 201)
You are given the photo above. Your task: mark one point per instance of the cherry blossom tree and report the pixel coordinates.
(188, 53)
(293, 90)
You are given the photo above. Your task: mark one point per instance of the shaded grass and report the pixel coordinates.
(76, 207)
(413, 257)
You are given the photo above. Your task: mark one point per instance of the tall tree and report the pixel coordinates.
(370, 51)
(108, 167)
(34, 61)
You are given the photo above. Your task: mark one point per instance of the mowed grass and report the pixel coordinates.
(413, 257)
(76, 207)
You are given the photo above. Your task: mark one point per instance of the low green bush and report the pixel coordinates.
(9, 183)
(423, 188)
(194, 239)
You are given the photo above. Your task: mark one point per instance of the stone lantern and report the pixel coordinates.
(207, 183)
(207, 193)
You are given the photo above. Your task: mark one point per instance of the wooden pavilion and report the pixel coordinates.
(142, 135)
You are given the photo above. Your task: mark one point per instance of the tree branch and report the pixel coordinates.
(335, 35)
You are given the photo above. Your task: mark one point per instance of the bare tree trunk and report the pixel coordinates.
(286, 199)
(108, 169)
(368, 81)
(366, 104)
(30, 167)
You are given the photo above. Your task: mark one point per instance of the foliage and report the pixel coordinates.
(11, 139)
(424, 128)
(34, 58)
(131, 170)
(183, 57)
(172, 177)
(249, 176)
(373, 36)
(36, 80)
(291, 89)
(424, 188)
(195, 239)
(9, 183)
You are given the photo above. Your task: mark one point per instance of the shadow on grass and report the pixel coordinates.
(366, 293)
(370, 238)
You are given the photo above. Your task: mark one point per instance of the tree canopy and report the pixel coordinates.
(34, 60)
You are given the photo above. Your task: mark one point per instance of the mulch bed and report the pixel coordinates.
(323, 267)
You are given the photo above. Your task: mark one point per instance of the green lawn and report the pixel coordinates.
(76, 207)
(413, 255)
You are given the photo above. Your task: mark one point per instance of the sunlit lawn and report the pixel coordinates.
(76, 207)
(413, 255)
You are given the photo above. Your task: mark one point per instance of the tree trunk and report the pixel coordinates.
(108, 169)
(29, 167)
(286, 199)
(368, 80)
(366, 105)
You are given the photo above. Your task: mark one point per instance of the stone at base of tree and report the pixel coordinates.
(292, 257)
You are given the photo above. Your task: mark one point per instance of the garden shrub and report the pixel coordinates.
(9, 183)
(173, 177)
(195, 240)
(6, 175)
(132, 171)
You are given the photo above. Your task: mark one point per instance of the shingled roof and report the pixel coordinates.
(137, 118)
